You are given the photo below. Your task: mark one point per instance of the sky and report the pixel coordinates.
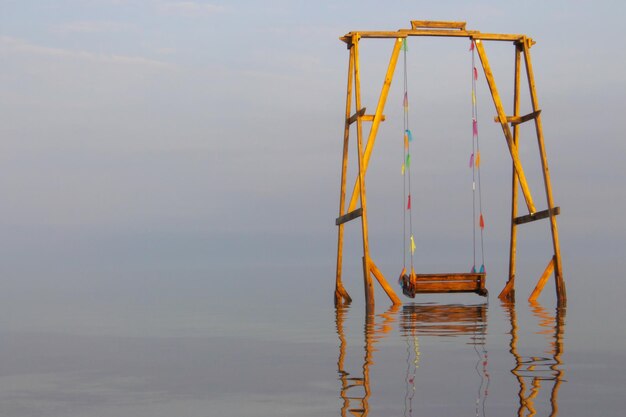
(188, 135)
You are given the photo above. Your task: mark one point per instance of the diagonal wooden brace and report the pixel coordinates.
(378, 117)
(505, 127)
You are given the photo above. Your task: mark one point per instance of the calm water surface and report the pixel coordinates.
(156, 346)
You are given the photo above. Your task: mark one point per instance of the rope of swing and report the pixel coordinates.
(475, 165)
(406, 169)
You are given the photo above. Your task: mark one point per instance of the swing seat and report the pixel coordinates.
(473, 282)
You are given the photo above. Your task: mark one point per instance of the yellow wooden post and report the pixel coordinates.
(505, 127)
(367, 277)
(341, 294)
(558, 271)
(508, 293)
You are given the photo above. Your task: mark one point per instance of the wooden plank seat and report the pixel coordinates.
(444, 283)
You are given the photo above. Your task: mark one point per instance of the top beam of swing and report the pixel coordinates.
(431, 28)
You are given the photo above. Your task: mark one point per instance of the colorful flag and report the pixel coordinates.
(475, 127)
(475, 74)
(408, 205)
(482, 221)
(405, 102)
(412, 248)
(409, 135)
(477, 159)
(471, 161)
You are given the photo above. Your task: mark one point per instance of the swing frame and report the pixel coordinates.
(445, 282)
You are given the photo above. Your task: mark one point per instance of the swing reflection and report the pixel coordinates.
(538, 368)
(538, 374)
(415, 320)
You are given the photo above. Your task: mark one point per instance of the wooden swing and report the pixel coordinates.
(473, 282)
(447, 282)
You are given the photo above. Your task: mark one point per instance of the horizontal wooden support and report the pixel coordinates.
(404, 33)
(370, 118)
(516, 120)
(418, 24)
(349, 216)
(537, 216)
(356, 115)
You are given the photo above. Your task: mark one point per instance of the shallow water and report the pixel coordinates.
(181, 347)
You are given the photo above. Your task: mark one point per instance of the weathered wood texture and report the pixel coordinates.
(349, 216)
(537, 216)
(516, 120)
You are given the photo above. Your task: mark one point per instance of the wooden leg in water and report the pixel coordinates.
(542, 281)
(383, 283)
(558, 271)
(508, 293)
(341, 295)
(369, 287)
(367, 277)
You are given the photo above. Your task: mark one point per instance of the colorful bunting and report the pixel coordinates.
(473, 98)
(408, 205)
(482, 221)
(412, 251)
(475, 127)
(482, 269)
(406, 141)
(471, 45)
(409, 135)
(477, 159)
(474, 269)
(405, 102)
(475, 74)
(471, 161)
(403, 169)
(408, 160)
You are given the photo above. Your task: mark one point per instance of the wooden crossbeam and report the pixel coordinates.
(516, 120)
(356, 116)
(537, 216)
(349, 216)
(418, 24)
(370, 117)
(403, 33)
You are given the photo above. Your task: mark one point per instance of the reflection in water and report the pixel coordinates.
(416, 320)
(445, 320)
(536, 369)
(355, 390)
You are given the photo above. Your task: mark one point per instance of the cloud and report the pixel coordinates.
(190, 8)
(10, 44)
(91, 27)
